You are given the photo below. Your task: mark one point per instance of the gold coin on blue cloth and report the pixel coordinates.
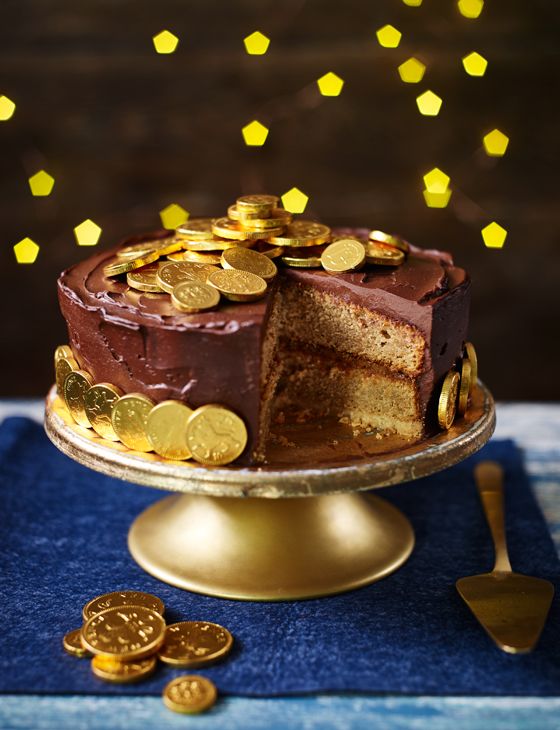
(72, 644)
(117, 672)
(195, 643)
(122, 598)
(76, 384)
(99, 402)
(124, 633)
(190, 694)
(167, 429)
(130, 420)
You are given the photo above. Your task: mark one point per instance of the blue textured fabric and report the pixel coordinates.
(63, 536)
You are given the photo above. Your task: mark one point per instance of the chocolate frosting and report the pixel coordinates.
(140, 342)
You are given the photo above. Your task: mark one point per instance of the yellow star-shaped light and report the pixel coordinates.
(436, 181)
(494, 235)
(470, 8)
(495, 143)
(173, 216)
(429, 104)
(165, 42)
(7, 108)
(411, 71)
(388, 36)
(254, 134)
(330, 84)
(413, 3)
(256, 44)
(41, 183)
(294, 200)
(87, 233)
(26, 251)
(475, 64)
(436, 200)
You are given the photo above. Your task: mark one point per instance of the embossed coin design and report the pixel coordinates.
(111, 670)
(130, 420)
(197, 229)
(144, 279)
(447, 404)
(256, 203)
(471, 354)
(301, 233)
(464, 386)
(189, 694)
(72, 644)
(345, 254)
(239, 286)
(194, 296)
(167, 429)
(248, 260)
(63, 367)
(173, 273)
(99, 402)
(125, 633)
(382, 254)
(195, 643)
(122, 598)
(215, 435)
(395, 241)
(117, 266)
(77, 383)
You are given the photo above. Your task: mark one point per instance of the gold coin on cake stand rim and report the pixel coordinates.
(256, 204)
(447, 404)
(212, 259)
(301, 233)
(167, 429)
(62, 351)
(144, 279)
(238, 286)
(76, 385)
(471, 355)
(175, 272)
(381, 254)
(124, 633)
(216, 244)
(199, 229)
(248, 260)
(117, 266)
(226, 228)
(216, 435)
(195, 644)
(122, 598)
(396, 241)
(194, 296)
(343, 255)
(129, 418)
(72, 644)
(464, 387)
(99, 402)
(63, 367)
(117, 672)
(278, 219)
(189, 694)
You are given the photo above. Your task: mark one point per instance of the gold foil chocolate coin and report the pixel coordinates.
(256, 204)
(173, 273)
(301, 233)
(382, 254)
(195, 643)
(344, 254)
(194, 296)
(447, 405)
(63, 367)
(189, 694)
(302, 258)
(112, 670)
(122, 598)
(197, 229)
(72, 644)
(215, 435)
(125, 633)
(130, 420)
(239, 286)
(395, 241)
(226, 228)
(117, 266)
(62, 351)
(167, 429)
(273, 252)
(198, 257)
(137, 249)
(236, 215)
(464, 387)
(215, 244)
(245, 259)
(76, 385)
(471, 354)
(278, 219)
(144, 279)
(99, 402)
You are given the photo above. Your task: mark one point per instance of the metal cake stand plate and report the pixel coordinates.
(246, 533)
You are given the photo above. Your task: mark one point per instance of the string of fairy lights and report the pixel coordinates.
(437, 190)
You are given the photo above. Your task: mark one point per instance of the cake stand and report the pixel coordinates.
(248, 533)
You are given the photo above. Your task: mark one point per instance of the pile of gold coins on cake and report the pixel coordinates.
(457, 389)
(234, 257)
(125, 635)
(212, 434)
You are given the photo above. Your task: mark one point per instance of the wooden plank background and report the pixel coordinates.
(125, 132)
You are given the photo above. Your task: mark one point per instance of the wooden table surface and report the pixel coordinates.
(536, 429)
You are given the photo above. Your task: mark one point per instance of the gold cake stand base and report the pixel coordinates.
(246, 533)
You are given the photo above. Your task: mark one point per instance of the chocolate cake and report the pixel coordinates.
(371, 347)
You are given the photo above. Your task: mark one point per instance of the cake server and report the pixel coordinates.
(510, 606)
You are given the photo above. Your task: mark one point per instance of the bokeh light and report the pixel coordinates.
(436, 200)
(173, 216)
(388, 36)
(41, 183)
(475, 64)
(429, 104)
(495, 143)
(330, 84)
(256, 44)
(7, 108)
(295, 200)
(26, 251)
(494, 235)
(412, 71)
(470, 8)
(254, 134)
(87, 233)
(413, 3)
(436, 181)
(165, 42)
